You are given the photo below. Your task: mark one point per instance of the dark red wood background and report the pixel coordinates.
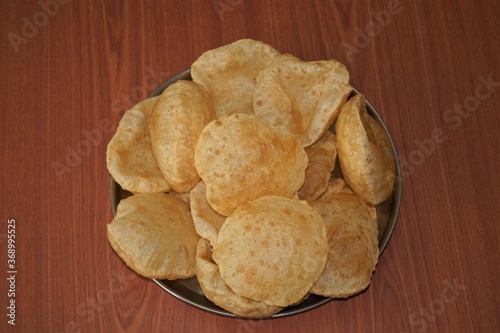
(69, 69)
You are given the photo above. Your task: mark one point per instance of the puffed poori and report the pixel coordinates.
(154, 235)
(352, 233)
(129, 154)
(179, 115)
(242, 157)
(303, 97)
(365, 157)
(228, 73)
(272, 250)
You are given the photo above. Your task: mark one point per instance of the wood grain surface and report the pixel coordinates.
(69, 69)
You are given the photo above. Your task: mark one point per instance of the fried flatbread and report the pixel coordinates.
(321, 156)
(272, 250)
(364, 152)
(228, 74)
(179, 115)
(154, 235)
(352, 233)
(207, 221)
(242, 157)
(216, 290)
(303, 97)
(129, 155)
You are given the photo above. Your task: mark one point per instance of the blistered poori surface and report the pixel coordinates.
(367, 164)
(228, 73)
(304, 97)
(154, 234)
(129, 154)
(179, 116)
(352, 233)
(216, 290)
(242, 157)
(272, 250)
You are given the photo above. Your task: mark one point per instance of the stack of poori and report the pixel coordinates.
(232, 181)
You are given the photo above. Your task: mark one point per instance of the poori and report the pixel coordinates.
(207, 221)
(272, 250)
(242, 157)
(154, 235)
(321, 157)
(179, 115)
(228, 73)
(252, 206)
(129, 154)
(304, 97)
(365, 157)
(352, 233)
(216, 290)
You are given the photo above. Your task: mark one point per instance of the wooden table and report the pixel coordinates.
(69, 69)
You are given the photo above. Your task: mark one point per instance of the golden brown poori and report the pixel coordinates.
(228, 73)
(179, 115)
(216, 290)
(365, 158)
(129, 154)
(272, 250)
(321, 157)
(304, 97)
(242, 157)
(154, 235)
(352, 233)
(207, 221)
